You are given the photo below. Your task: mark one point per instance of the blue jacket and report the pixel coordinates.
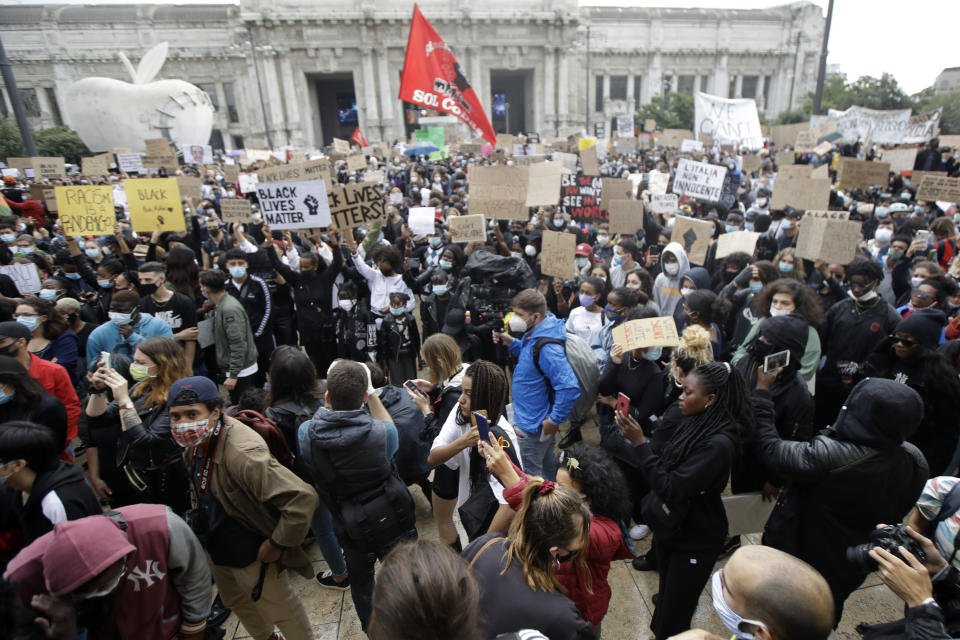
(107, 336)
(530, 402)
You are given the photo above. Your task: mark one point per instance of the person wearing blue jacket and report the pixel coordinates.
(540, 402)
(127, 327)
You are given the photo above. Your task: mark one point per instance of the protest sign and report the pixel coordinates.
(939, 187)
(806, 142)
(157, 146)
(882, 126)
(499, 192)
(728, 121)
(646, 332)
(657, 183)
(625, 124)
(823, 171)
(786, 134)
(730, 190)
(691, 145)
(699, 179)
(45, 193)
(616, 189)
(12, 173)
(568, 160)
(46, 168)
(916, 177)
(645, 141)
(557, 253)
(625, 146)
(422, 221)
(828, 215)
(626, 216)
(649, 125)
(356, 162)
(666, 203)
(235, 210)
(543, 183)
(694, 236)
(96, 166)
(294, 205)
(752, 163)
(130, 162)
(248, 182)
(190, 187)
(823, 148)
(86, 210)
(833, 241)
(167, 161)
(505, 142)
(736, 241)
(231, 173)
(300, 172)
(353, 205)
(951, 141)
(794, 172)
(341, 146)
(374, 176)
(923, 127)
(20, 163)
(588, 160)
(24, 276)
(674, 137)
(805, 193)
(900, 160)
(580, 197)
(154, 204)
(471, 228)
(860, 174)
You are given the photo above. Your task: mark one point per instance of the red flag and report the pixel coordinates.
(432, 78)
(359, 138)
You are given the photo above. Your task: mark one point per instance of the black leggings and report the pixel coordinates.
(683, 574)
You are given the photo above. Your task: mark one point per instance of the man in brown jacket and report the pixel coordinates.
(252, 513)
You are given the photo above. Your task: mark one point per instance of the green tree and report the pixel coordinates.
(950, 120)
(10, 143)
(792, 117)
(60, 141)
(674, 112)
(874, 93)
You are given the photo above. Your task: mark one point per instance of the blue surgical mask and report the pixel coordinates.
(611, 313)
(93, 254)
(748, 226)
(237, 272)
(396, 311)
(48, 294)
(786, 225)
(25, 250)
(730, 228)
(440, 289)
(582, 262)
(71, 275)
(558, 223)
(653, 354)
(30, 322)
(119, 319)
(435, 242)
(446, 265)
(755, 286)
(7, 238)
(618, 259)
(105, 284)
(4, 399)
(785, 267)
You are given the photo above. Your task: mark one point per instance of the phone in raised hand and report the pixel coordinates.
(623, 404)
(409, 384)
(483, 425)
(776, 361)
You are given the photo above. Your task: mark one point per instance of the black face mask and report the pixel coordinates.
(148, 289)
(760, 349)
(11, 350)
(567, 558)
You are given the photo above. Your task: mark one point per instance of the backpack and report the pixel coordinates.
(584, 364)
(270, 433)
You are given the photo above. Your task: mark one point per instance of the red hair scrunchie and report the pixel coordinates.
(547, 487)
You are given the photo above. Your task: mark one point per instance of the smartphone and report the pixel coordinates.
(409, 384)
(413, 263)
(483, 425)
(925, 236)
(623, 404)
(105, 358)
(776, 361)
(344, 249)
(655, 250)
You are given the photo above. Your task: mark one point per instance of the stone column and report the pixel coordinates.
(293, 127)
(481, 85)
(630, 88)
(370, 111)
(761, 82)
(721, 80)
(563, 83)
(389, 105)
(738, 86)
(654, 86)
(674, 82)
(549, 87)
(271, 89)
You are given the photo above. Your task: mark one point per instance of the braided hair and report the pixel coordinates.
(488, 393)
(732, 407)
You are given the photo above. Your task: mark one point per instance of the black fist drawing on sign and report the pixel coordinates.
(312, 203)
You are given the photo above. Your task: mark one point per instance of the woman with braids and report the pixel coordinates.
(483, 389)
(686, 477)
(518, 573)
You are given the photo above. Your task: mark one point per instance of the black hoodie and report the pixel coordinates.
(65, 492)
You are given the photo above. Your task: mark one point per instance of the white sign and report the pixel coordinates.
(625, 124)
(423, 221)
(197, 153)
(568, 160)
(294, 205)
(205, 336)
(25, 276)
(130, 162)
(657, 183)
(728, 121)
(699, 179)
(691, 145)
(860, 123)
(248, 182)
(13, 173)
(664, 204)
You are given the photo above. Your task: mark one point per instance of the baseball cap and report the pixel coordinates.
(583, 249)
(898, 207)
(192, 390)
(81, 550)
(13, 329)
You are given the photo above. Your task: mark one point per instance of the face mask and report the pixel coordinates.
(105, 284)
(582, 262)
(189, 434)
(558, 223)
(93, 254)
(25, 250)
(748, 226)
(686, 291)
(7, 238)
(148, 289)
(603, 240)
(671, 269)
(440, 289)
(5, 397)
(762, 202)
(730, 618)
(346, 305)
(48, 294)
(435, 242)
(534, 220)
(915, 281)
(883, 235)
(71, 276)
(786, 267)
(119, 319)
(670, 223)
(867, 297)
(586, 301)
(530, 250)
(28, 321)
(10, 350)
(881, 212)
(653, 354)
(611, 314)
(140, 373)
(618, 259)
(446, 265)
(919, 210)
(786, 225)
(517, 324)
(894, 254)
(729, 228)
(238, 272)
(396, 311)
(778, 312)
(755, 285)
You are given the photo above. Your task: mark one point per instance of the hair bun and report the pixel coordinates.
(694, 338)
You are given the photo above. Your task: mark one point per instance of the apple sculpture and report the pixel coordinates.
(109, 113)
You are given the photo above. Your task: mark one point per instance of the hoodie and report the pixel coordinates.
(666, 289)
(408, 420)
(57, 495)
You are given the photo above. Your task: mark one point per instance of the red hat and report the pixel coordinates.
(9, 180)
(583, 249)
(81, 550)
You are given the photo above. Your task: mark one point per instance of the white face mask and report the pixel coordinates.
(883, 235)
(346, 305)
(867, 297)
(730, 618)
(914, 282)
(517, 324)
(686, 291)
(672, 268)
(778, 312)
(530, 250)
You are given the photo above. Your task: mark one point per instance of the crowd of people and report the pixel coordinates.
(188, 409)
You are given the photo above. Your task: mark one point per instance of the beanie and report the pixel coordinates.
(925, 325)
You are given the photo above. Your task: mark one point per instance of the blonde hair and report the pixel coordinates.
(171, 361)
(443, 357)
(694, 350)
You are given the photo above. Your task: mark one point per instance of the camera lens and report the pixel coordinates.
(859, 557)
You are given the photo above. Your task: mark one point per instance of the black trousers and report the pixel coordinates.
(360, 566)
(683, 575)
(242, 385)
(265, 346)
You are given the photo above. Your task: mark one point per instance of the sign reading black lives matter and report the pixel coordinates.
(699, 179)
(294, 205)
(580, 197)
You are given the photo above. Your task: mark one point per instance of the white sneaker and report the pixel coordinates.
(639, 531)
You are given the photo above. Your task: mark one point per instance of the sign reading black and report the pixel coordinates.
(580, 197)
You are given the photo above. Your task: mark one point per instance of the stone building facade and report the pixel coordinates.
(315, 69)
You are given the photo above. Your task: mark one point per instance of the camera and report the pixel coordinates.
(199, 521)
(889, 538)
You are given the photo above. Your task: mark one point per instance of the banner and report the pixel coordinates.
(699, 179)
(359, 138)
(859, 123)
(924, 127)
(86, 211)
(294, 205)
(432, 78)
(729, 121)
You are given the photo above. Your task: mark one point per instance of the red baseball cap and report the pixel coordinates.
(81, 550)
(583, 249)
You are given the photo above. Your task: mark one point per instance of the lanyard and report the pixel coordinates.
(208, 459)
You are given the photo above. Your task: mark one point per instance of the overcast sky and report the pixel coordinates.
(912, 40)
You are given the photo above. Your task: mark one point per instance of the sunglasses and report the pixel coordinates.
(907, 342)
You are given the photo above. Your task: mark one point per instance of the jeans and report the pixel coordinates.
(538, 457)
(322, 528)
(360, 564)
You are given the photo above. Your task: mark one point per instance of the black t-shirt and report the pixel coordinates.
(179, 312)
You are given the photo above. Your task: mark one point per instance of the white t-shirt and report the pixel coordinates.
(450, 432)
(585, 324)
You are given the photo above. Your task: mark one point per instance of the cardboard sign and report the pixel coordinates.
(47, 168)
(231, 173)
(694, 236)
(543, 183)
(823, 148)
(666, 203)
(580, 197)
(46, 194)
(833, 241)
(900, 160)
(827, 215)
(939, 187)
(649, 125)
(801, 194)
(505, 142)
(85, 210)
(821, 173)
(616, 189)
(499, 192)
(860, 174)
(374, 176)
(657, 183)
(166, 161)
(341, 146)
(951, 141)
(786, 134)
(674, 137)
(96, 166)
(626, 216)
(294, 205)
(301, 172)
(737, 241)
(699, 179)
(154, 204)
(157, 146)
(24, 276)
(646, 332)
(20, 163)
(588, 160)
(568, 160)
(190, 187)
(472, 228)
(130, 162)
(235, 210)
(356, 162)
(557, 253)
(794, 172)
(806, 142)
(730, 191)
(356, 204)
(624, 146)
